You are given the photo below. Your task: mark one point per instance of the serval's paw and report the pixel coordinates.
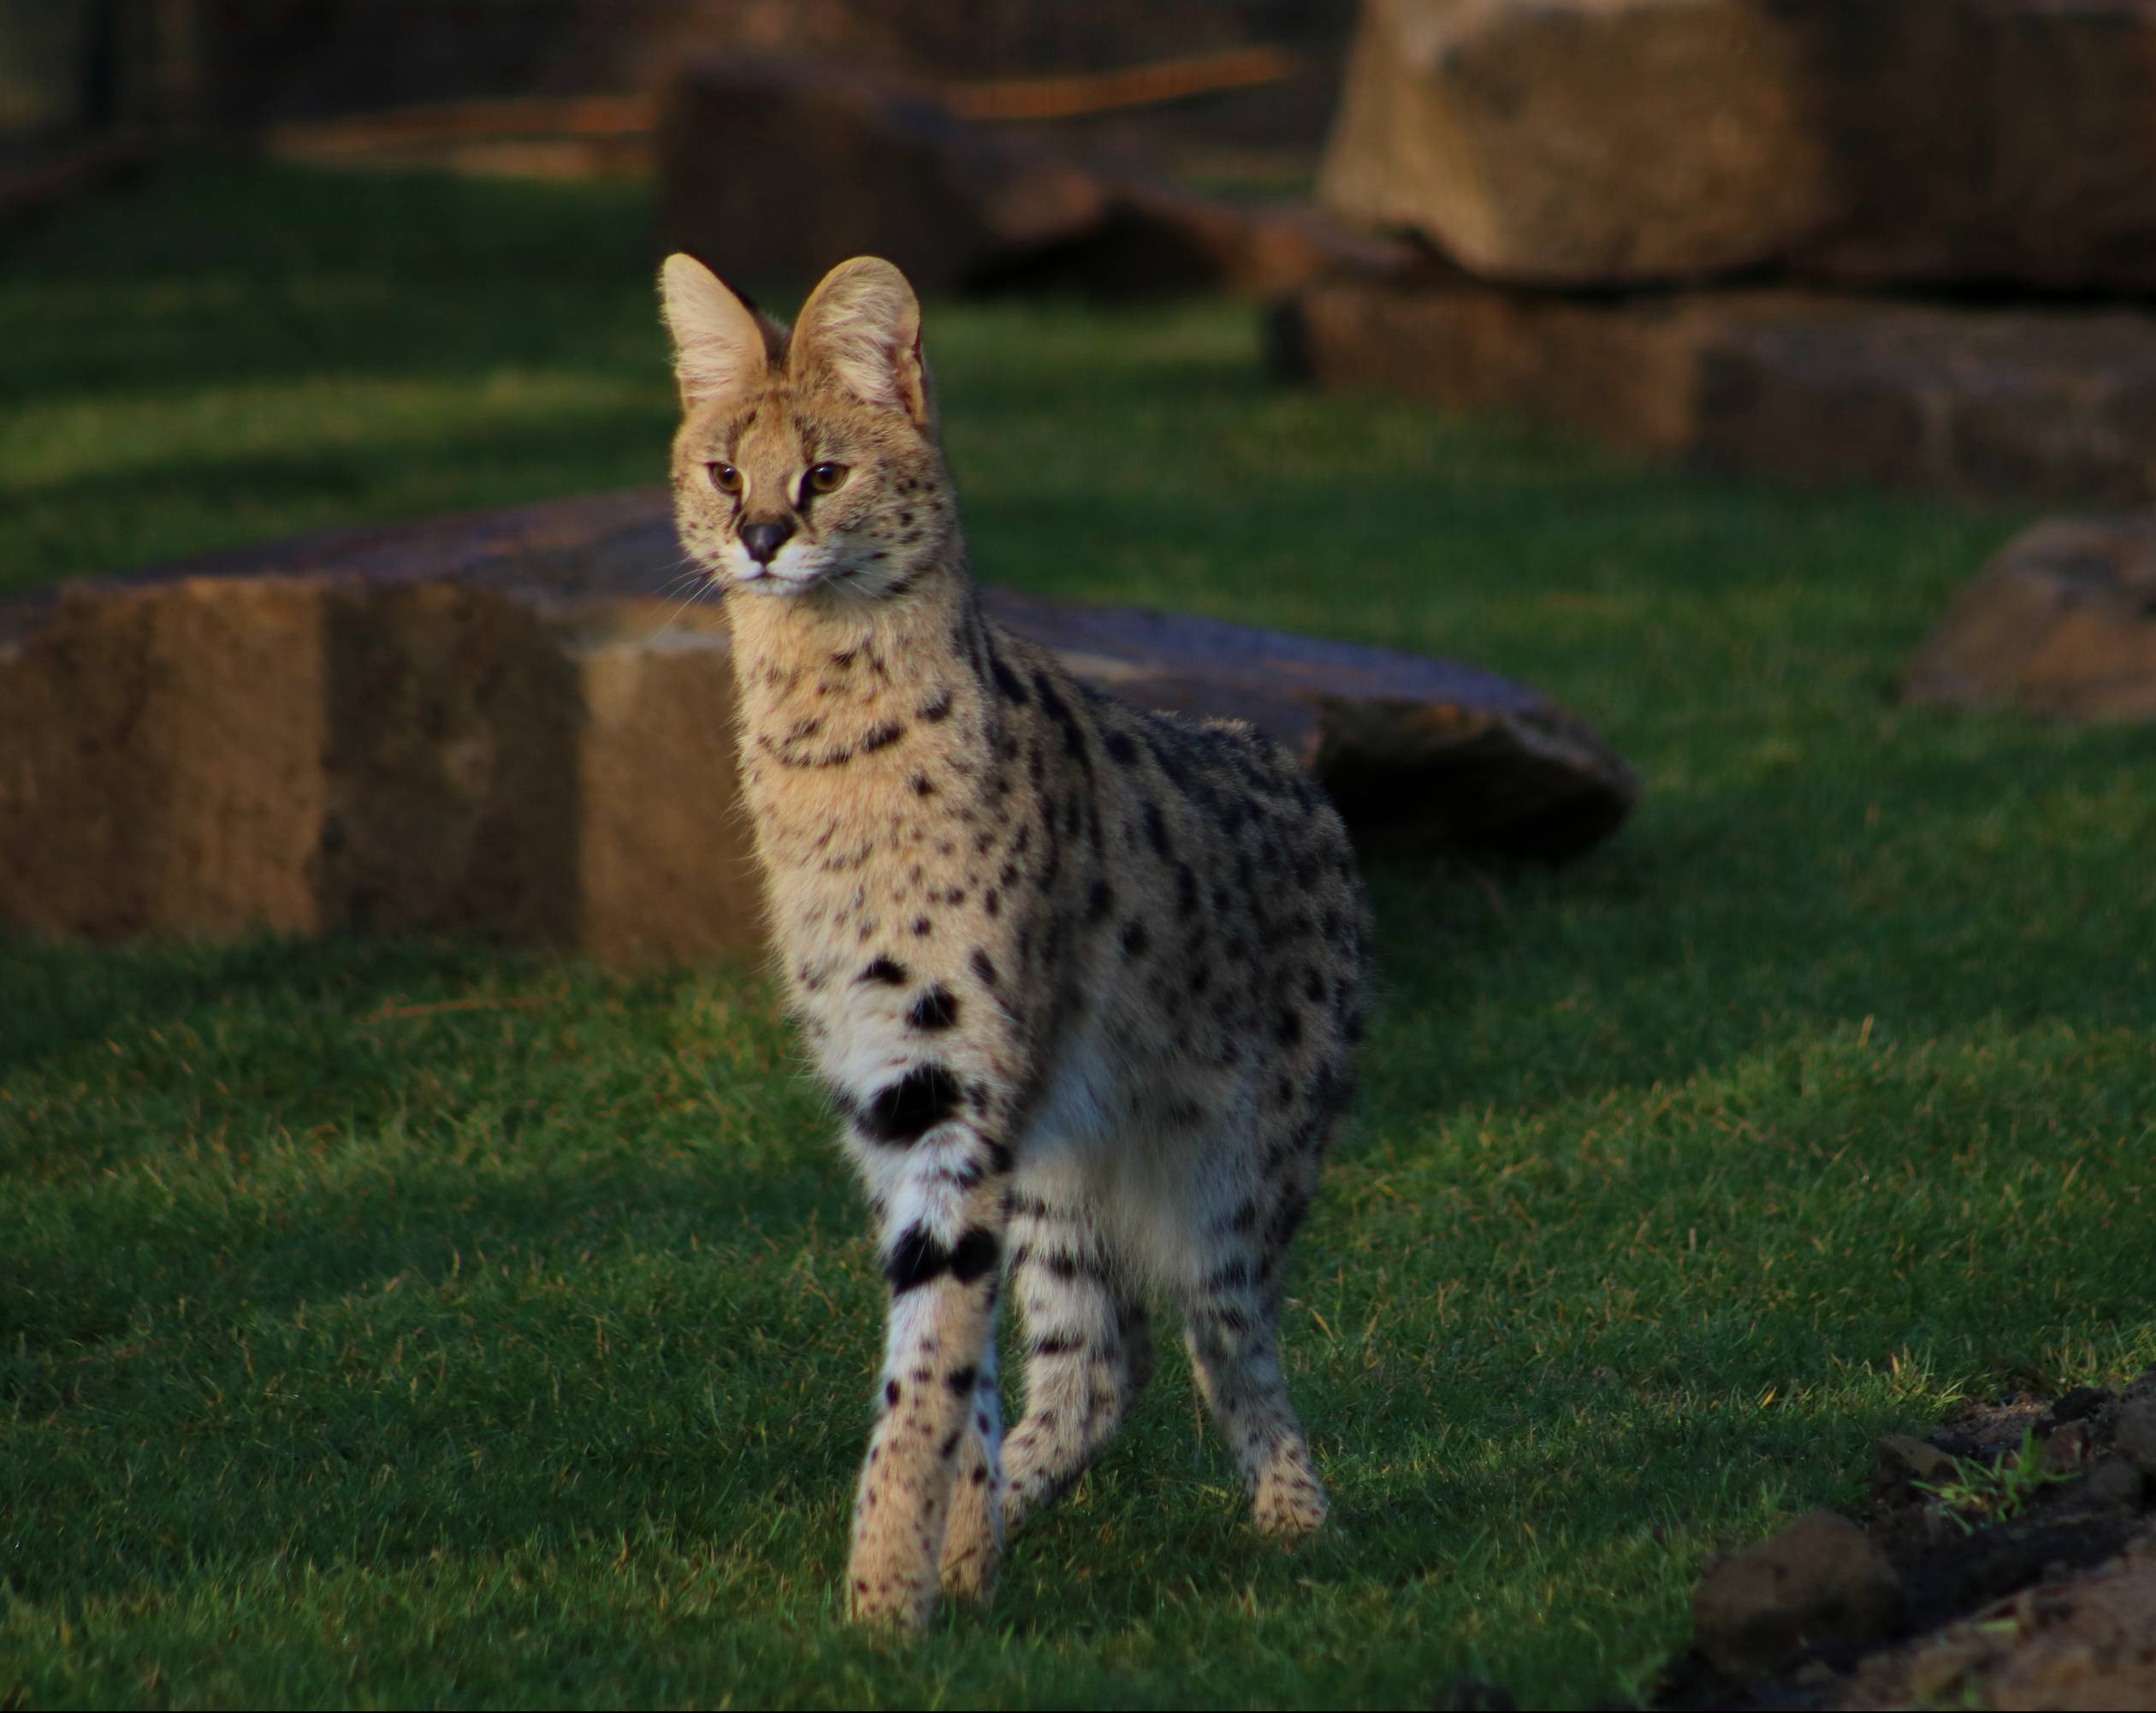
(1289, 1502)
(973, 1540)
(891, 1579)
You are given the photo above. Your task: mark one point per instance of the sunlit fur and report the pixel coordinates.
(1084, 981)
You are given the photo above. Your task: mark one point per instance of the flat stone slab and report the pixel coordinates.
(2049, 403)
(2061, 623)
(496, 723)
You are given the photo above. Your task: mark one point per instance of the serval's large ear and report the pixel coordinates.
(718, 342)
(860, 332)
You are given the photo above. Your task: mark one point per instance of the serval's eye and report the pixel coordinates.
(724, 477)
(823, 477)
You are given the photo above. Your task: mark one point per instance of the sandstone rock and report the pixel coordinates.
(1157, 239)
(1580, 141)
(305, 755)
(1593, 142)
(875, 167)
(144, 787)
(1821, 1579)
(774, 170)
(2117, 1483)
(1901, 1455)
(2062, 622)
(2133, 1435)
(486, 724)
(2037, 404)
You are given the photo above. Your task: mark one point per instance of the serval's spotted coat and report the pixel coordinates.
(1085, 981)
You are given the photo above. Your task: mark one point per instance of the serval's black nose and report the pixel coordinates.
(764, 540)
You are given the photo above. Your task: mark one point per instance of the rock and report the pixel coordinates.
(1603, 142)
(1415, 752)
(2066, 1448)
(2080, 1403)
(1577, 141)
(867, 167)
(1983, 402)
(142, 790)
(218, 757)
(1158, 237)
(2062, 623)
(2134, 1434)
(1913, 1459)
(486, 724)
(2080, 1641)
(874, 166)
(2117, 1483)
(1820, 1580)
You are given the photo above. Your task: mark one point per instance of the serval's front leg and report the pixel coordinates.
(943, 1227)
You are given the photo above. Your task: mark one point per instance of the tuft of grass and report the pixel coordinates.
(385, 1322)
(1981, 1493)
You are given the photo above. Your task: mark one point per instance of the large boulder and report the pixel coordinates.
(489, 724)
(1603, 142)
(773, 170)
(2061, 623)
(2048, 404)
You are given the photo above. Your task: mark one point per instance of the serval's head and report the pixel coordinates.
(807, 462)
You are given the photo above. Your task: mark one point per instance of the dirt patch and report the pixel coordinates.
(2006, 1559)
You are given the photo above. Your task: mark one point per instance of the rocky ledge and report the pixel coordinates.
(489, 724)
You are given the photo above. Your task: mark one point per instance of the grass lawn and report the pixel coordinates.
(385, 1324)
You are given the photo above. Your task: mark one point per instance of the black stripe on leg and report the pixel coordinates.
(919, 1258)
(896, 1114)
(936, 1009)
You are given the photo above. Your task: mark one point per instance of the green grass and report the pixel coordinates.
(384, 1323)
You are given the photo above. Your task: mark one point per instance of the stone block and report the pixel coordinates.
(1987, 403)
(488, 725)
(1616, 142)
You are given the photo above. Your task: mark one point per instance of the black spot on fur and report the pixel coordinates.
(961, 1380)
(1156, 829)
(983, 966)
(923, 787)
(897, 1113)
(882, 738)
(1007, 681)
(917, 1259)
(884, 971)
(937, 708)
(1099, 901)
(1135, 940)
(923, 927)
(891, 1393)
(1121, 750)
(935, 1010)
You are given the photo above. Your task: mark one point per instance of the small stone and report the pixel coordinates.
(1901, 1455)
(2080, 1403)
(2134, 1436)
(2066, 1450)
(1820, 1580)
